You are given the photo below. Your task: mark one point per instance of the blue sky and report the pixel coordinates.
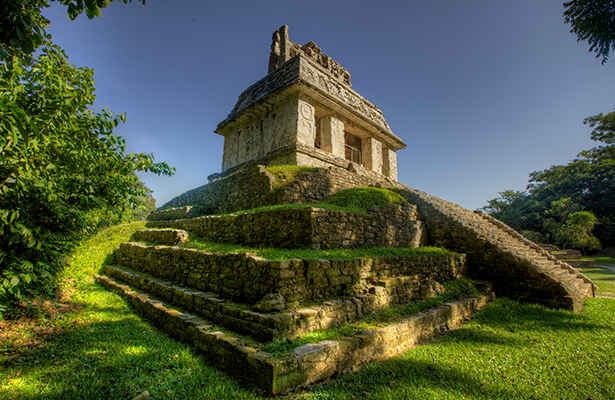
(482, 91)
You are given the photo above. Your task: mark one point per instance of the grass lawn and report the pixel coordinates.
(603, 278)
(101, 349)
(601, 259)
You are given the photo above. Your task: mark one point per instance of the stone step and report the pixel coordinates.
(246, 278)
(306, 364)
(569, 277)
(268, 326)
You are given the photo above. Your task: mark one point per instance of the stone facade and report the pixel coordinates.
(307, 100)
(316, 228)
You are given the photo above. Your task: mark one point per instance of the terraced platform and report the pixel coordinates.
(231, 331)
(230, 306)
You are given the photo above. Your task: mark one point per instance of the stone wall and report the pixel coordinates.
(246, 189)
(254, 187)
(168, 237)
(246, 278)
(316, 228)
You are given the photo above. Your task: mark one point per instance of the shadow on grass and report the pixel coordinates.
(517, 316)
(116, 355)
(411, 379)
(502, 354)
(115, 359)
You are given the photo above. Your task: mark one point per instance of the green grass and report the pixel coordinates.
(287, 174)
(291, 254)
(356, 200)
(105, 350)
(364, 198)
(601, 259)
(295, 206)
(604, 280)
(509, 351)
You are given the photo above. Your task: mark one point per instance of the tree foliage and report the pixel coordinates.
(62, 170)
(22, 27)
(594, 22)
(585, 184)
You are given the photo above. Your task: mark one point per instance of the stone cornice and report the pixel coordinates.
(317, 83)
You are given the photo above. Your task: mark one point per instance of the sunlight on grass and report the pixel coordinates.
(603, 278)
(509, 351)
(601, 259)
(329, 254)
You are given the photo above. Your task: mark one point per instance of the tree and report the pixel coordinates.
(588, 182)
(593, 21)
(556, 226)
(517, 209)
(22, 27)
(60, 163)
(575, 231)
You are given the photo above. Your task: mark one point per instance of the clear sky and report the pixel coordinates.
(483, 92)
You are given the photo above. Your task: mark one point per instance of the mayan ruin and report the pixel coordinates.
(305, 114)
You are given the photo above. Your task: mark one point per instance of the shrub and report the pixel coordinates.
(361, 199)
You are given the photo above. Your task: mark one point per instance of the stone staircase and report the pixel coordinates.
(575, 281)
(518, 268)
(175, 288)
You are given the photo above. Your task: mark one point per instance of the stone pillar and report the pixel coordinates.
(332, 131)
(392, 164)
(371, 152)
(306, 129)
(385, 160)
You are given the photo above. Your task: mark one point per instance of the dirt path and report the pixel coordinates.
(610, 267)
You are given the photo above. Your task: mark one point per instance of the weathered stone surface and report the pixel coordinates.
(252, 186)
(248, 279)
(316, 228)
(271, 302)
(519, 268)
(569, 255)
(306, 364)
(169, 237)
(306, 100)
(177, 213)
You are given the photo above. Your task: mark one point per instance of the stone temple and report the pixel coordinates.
(304, 112)
(229, 306)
